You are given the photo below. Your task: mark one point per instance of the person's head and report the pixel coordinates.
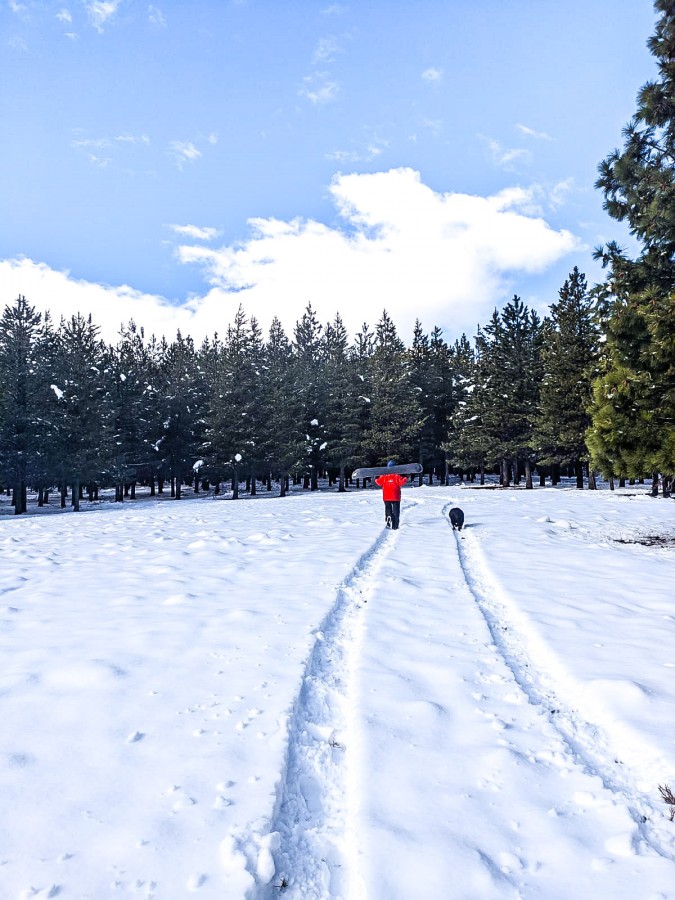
(392, 462)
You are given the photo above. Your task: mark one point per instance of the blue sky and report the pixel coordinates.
(168, 161)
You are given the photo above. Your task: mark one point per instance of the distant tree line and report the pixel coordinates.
(77, 414)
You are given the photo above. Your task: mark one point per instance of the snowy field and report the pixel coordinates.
(279, 697)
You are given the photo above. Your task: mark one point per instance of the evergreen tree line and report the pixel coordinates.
(78, 414)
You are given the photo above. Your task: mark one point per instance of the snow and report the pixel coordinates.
(281, 697)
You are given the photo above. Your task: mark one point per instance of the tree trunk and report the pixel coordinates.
(19, 497)
(505, 475)
(655, 484)
(64, 494)
(235, 483)
(622, 482)
(179, 487)
(579, 471)
(269, 481)
(254, 486)
(173, 487)
(75, 502)
(341, 486)
(592, 484)
(667, 482)
(528, 474)
(133, 490)
(482, 473)
(283, 485)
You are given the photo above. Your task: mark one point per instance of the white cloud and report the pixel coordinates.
(155, 17)
(361, 153)
(435, 126)
(100, 11)
(63, 15)
(133, 139)
(18, 9)
(184, 152)
(195, 232)
(325, 51)
(84, 143)
(101, 162)
(445, 258)
(560, 191)
(18, 43)
(505, 157)
(110, 307)
(530, 132)
(319, 89)
(433, 75)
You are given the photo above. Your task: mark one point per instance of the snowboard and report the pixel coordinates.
(407, 469)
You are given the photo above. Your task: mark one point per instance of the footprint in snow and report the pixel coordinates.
(196, 881)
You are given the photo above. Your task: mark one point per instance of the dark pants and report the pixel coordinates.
(392, 509)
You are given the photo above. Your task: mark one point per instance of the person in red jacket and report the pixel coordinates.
(391, 494)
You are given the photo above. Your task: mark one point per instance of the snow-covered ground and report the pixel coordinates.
(279, 697)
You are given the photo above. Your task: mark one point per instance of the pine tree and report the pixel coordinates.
(183, 400)
(233, 423)
(133, 400)
(569, 361)
(432, 374)
(498, 421)
(467, 446)
(395, 412)
(20, 398)
(313, 390)
(283, 437)
(85, 428)
(345, 401)
(637, 300)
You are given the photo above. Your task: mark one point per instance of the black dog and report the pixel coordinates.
(456, 518)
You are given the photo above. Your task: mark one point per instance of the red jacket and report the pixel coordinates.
(391, 486)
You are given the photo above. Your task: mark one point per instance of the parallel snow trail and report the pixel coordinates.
(466, 787)
(311, 840)
(543, 679)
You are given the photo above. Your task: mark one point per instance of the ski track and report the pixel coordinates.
(588, 746)
(310, 838)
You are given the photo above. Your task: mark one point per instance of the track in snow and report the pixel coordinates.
(586, 742)
(315, 855)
